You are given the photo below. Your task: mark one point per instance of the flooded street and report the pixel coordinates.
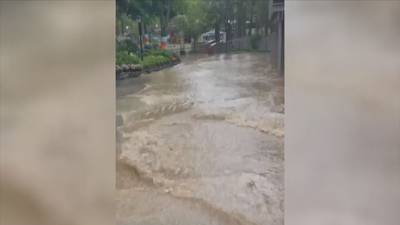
(202, 143)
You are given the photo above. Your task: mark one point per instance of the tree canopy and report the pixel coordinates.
(237, 18)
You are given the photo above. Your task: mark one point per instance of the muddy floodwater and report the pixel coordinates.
(201, 143)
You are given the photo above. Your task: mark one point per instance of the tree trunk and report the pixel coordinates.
(121, 28)
(228, 19)
(266, 28)
(217, 30)
(267, 17)
(194, 44)
(164, 17)
(227, 34)
(251, 16)
(241, 22)
(168, 12)
(258, 25)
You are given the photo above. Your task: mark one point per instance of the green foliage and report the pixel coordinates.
(180, 22)
(197, 20)
(255, 40)
(147, 9)
(160, 52)
(127, 45)
(193, 17)
(150, 11)
(123, 57)
(154, 60)
(124, 21)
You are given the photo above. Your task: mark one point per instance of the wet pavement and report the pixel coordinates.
(202, 143)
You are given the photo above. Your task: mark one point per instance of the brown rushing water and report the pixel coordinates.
(202, 143)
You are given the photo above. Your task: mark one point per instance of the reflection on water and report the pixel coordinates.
(202, 143)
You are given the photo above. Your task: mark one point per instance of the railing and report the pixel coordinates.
(264, 44)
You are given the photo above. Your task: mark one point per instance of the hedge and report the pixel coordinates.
(154, 60)
(123, 57)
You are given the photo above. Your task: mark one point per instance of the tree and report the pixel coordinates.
(262, 15)
(215, 11)
(195, 16)
(197, 21)
(241, 8)
(121, 10)
(251, 15)
(228, 15)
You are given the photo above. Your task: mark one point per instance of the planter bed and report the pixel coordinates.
(129, 71)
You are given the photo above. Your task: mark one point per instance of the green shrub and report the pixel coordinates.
(255, 40)
(123, 57)
(154, 60)
(127, 45)
(154, 57)
(148, 61)
(160, 52)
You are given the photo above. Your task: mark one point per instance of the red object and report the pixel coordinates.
(164, 43)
